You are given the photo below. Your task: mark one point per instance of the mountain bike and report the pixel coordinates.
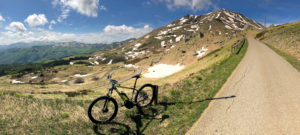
(105, 108)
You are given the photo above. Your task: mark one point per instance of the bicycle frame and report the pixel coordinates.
(124, 98)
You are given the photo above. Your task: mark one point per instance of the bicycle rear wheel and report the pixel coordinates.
(145, 95)
(103, 109)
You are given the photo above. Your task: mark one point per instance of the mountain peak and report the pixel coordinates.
(231, 20)
(172, 43)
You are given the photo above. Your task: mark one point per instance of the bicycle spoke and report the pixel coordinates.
(145, 96)
(103, 110)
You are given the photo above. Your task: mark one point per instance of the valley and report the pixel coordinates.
(21, 53)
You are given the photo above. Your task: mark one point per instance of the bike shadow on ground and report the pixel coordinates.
(140, 120)
(166, 104)
(142, 117)
(112, 128)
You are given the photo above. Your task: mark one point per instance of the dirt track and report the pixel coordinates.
(267, 98)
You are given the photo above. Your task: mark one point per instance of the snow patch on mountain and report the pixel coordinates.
(228, 27)
(16, 82)
(163, 43)
(159, 37)
(176, 28)
(84, 75)
(179, 38)
(136, 46)
(163, 32)
(201, 52)
(162, 70)
(130, 66)
(170, 25)
(183, 20)
(110, 62)
(218, 15)
(134, 54)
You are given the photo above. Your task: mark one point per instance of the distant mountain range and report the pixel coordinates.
(24, 45)
(20, 53)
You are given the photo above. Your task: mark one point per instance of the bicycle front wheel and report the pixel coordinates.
(145, 95)
(103, 109)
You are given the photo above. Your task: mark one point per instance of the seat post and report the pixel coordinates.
(133, 88)
(135, 83)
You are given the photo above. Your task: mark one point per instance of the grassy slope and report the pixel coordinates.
(291, 59)
(178, 108)
(285, 40)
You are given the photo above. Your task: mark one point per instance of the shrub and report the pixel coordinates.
(199, 78)
(95, 78)
(65, 115)
(79, 80)
(261, 34)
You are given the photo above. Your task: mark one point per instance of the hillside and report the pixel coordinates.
(183, 41)
(178, 46)
(285, 37)
(190, 56)
(25, 53)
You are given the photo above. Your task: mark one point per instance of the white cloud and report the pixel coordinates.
(17, 27)
(36, 20)
(102, 8)
(1, 18)
(64, 14)
(123, 29)
(51, 24)
(109, 34)
(194, 5)
(86, 7)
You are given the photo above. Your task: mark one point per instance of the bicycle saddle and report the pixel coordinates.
(114, 81)
(137, 76)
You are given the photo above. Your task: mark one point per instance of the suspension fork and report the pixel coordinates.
(108, 95)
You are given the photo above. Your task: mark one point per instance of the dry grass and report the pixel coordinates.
(285, 38)
(67, 71)
(59, 114)
(49, 109)
(26, 115)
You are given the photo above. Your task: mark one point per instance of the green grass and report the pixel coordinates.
(291, 59)
(177, 110)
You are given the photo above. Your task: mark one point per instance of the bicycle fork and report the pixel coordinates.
(105, 109)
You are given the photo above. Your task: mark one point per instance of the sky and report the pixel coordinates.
(106, 21)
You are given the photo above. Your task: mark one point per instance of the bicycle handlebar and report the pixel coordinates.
(113, 82)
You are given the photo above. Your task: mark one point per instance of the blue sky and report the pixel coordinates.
(95, 21)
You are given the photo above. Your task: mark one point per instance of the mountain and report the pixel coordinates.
(18, 54)
(24, 45)
(182, 44)
(42, 43)
(182, 41)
